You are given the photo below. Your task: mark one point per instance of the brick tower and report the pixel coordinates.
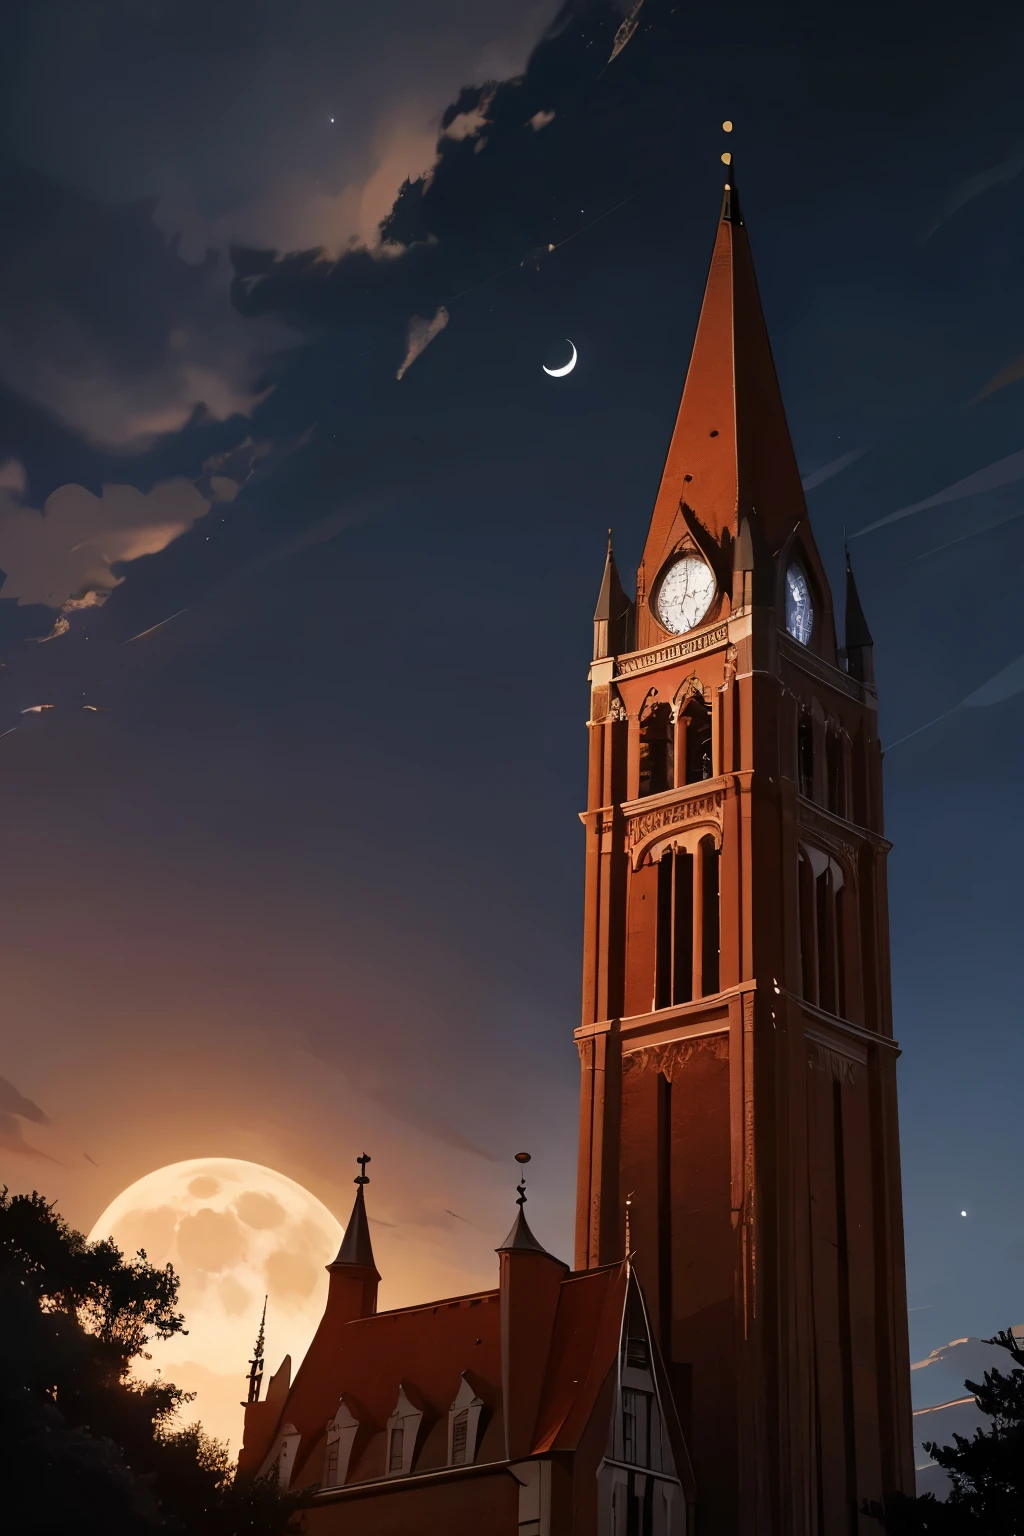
(738, 1065)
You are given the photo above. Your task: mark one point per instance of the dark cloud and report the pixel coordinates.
(14, 1103)
(12, 1139)
(106, 327)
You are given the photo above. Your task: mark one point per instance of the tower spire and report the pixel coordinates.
(256, 1363)
(731, 454)
(356, 1249)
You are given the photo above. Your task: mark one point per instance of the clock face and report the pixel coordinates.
(684, 594)
(799, 610)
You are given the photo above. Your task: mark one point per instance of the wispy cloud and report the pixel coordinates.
(1002, 472)
(421, 334)
(835, 467)
(1013, 371)
(1006, 684)
(976, 186)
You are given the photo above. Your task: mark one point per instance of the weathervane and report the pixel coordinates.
(522, 1158)
(362, 1177)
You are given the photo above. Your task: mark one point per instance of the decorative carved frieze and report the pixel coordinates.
(706, 807)
(692, 645)
(821, 1058)
(616, 709)
(668, 1059)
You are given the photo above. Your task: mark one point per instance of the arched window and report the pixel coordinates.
(697, 720)
(710, 937)
(674, 938)
(835, 787)
(805, 755)
(808, 958)
(656, 756)
(826, 920)
(824, 910)
(840, 926)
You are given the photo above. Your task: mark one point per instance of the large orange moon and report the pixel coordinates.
(235, 1232)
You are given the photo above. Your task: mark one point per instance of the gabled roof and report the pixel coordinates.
(427, 1349)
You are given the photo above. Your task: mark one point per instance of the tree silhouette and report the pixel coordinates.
(84, 1447)
(986, 1473)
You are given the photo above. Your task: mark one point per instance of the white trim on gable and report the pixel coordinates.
(282, 1455)
(639, 1450)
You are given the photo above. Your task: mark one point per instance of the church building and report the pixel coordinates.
(728, 1354)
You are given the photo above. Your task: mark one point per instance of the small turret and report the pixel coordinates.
(613, 616)
(751, 565)
(354, 1275)
(529, 1287)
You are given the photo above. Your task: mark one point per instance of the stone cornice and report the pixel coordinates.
(824, 672)
(816, 818)
(696, 1018)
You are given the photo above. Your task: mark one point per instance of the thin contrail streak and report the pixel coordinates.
(143, 633)
(927, 726)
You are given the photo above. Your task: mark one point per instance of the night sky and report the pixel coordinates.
(309, 875)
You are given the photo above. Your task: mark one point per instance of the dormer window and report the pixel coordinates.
(464, 1425)
(341, 1435)
(799, 609)
(396, 1454)
(403, 1428)
(460, 1435)
(281, 1461)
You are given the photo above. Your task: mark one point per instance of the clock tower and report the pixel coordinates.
(738, 1063)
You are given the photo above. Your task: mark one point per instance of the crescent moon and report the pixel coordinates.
(560, 373)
